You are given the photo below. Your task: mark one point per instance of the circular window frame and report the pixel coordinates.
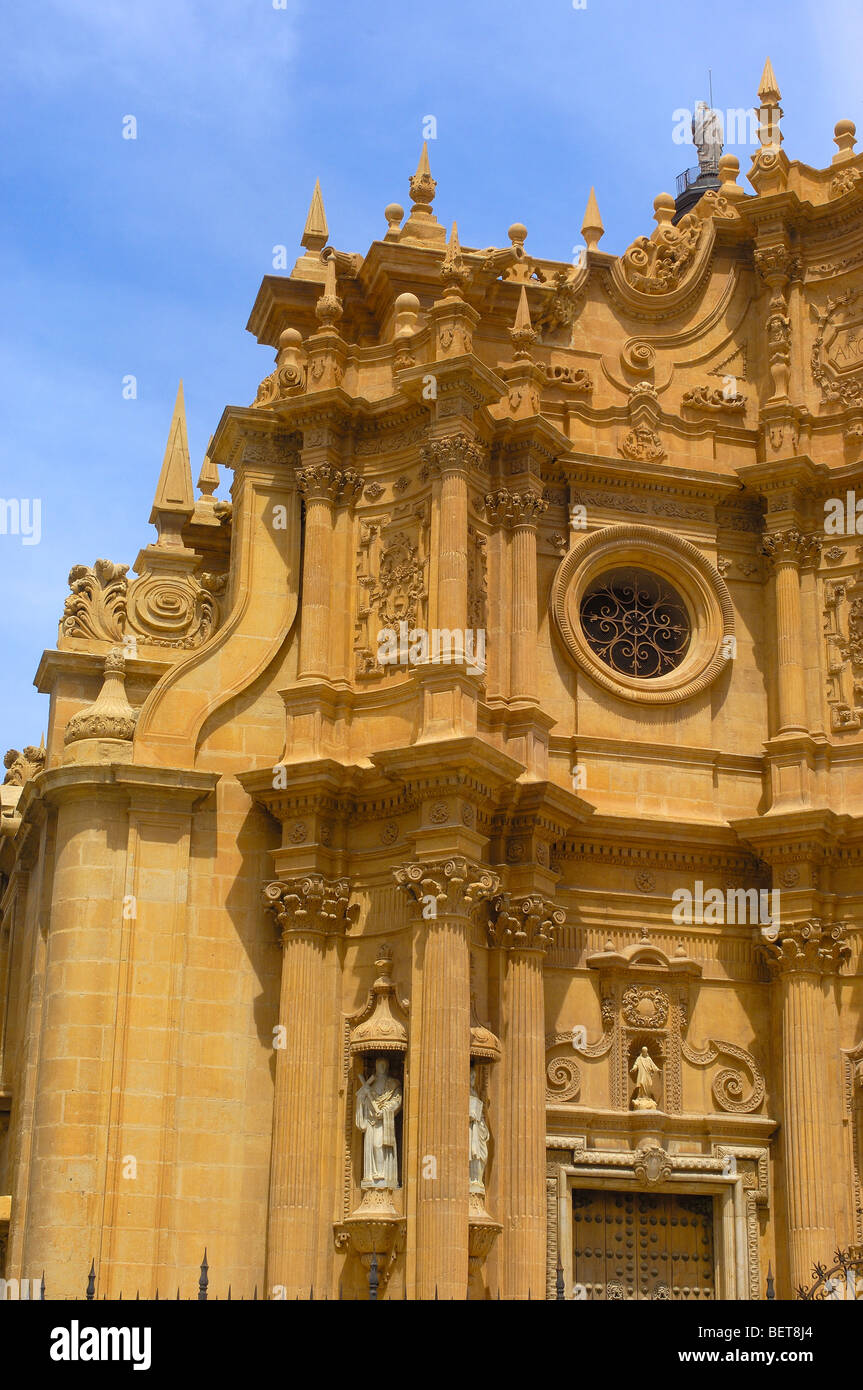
(680, 564)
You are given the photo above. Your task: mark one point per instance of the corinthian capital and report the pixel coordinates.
(515, 508)
(806, 948)
(311, 904)
(455, 886)
(453, 453)
(319, 482)
(792, 547)
(524, 923)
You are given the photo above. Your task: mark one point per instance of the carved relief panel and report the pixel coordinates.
(392, 582)
(843, 632)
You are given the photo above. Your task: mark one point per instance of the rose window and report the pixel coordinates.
(635, 622)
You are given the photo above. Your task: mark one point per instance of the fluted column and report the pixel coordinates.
(800, 958)
(524, 928)
(307, 911)
(450, 457)
(319, 484)
(788, 550)
(520, 511)
(447, 894)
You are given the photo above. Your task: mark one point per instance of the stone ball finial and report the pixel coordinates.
(517, 234)
(407, 308)
(393, 212)
(844, 133)
(290, 338)
(664, 209)
(729, 168)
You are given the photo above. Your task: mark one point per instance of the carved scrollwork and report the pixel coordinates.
(657, 264)
(564, 1079)
(174, 610)
(729, 1085)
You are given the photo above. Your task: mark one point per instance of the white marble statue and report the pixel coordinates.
(478, 1138)
(644, 1069)
(379, 1100)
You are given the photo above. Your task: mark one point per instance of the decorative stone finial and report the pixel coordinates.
(393, 212)
(729, 168)
(769, 112)
(422, 225)
(315, 233)
(664, 209)
(407, 308)
(208, 478)
(329, 308)
(422, 184)
(111, 715)
(518, 235)
(454, 272)
(523, 334)
(768, 89)
(844, 133)
(591, 228)
(174, 502)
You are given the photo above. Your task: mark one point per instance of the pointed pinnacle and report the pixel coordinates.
(422, 185)
(523, 334)
(591, 228)
(174, 492)
(315, 232)
(423, 170)
(769, 89)
(522, 313)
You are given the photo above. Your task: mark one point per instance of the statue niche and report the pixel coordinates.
(377, 1038)
(648, 1080)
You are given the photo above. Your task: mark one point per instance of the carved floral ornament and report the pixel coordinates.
(163, 610)
(675, 567)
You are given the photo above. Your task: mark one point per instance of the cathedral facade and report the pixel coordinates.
(444, 866)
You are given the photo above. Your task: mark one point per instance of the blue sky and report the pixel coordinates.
(143, 257)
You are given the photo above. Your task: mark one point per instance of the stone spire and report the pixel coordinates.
(591, 228)
(316, 232)
(523, 334)
(174, 502)
(422, 225)
(454, 272)
(315, 236)
(769, 112)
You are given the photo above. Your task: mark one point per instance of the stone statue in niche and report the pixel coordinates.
(644, 1069)
(379, 1100)
(478, 1138)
